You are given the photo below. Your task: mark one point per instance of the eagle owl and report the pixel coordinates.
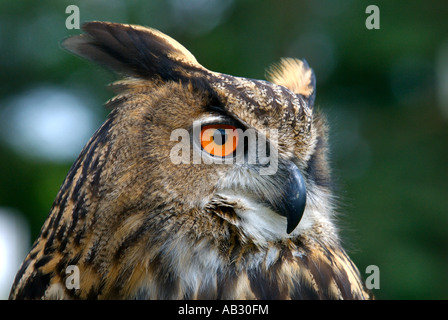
(172, 198)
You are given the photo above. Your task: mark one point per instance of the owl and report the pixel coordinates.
(198, 185)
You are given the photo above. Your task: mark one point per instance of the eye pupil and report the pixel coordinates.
(220, 136)
(219, 140)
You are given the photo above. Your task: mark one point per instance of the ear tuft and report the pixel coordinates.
(296, 75)
(133, 50)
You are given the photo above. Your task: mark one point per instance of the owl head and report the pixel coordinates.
(196, 150)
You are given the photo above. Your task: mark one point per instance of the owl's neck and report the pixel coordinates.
(251, 257)
(283, 270)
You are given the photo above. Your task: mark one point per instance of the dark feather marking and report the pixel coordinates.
(321, 272)
(61, 266)
(35, 287)
(75, 259)
(170, 284)
(267, 86)
(289, 108)
(63, 244)
(100, 287)
(203, 85)
(255, 104)
(68, 182)
(207, 291)
(265, 283)
(79, 183)
(344, 280)
(343, 283)
(93, 294)
(80, 234)
(97, 176)
(130, 240)
(44, 233)
(100, 137)
(51, 217)
(62, 238)
(54, 226)
(91, 255)
(20, 273)
(135, 52)
(33, 254)
(67, 261)
(128, 50)
(46, 229)
(96, 290)
(56, 217)
(49, 248)
(116, 102)
(304, 291)
(327, 252)
(70, 176)
(226, 283)
(314, 168)
(167, 281)
(270, 93)
(82, 209)
(352, 264)
(133, 238)
(79, 207)
(61, 232)
(263, 287)
(86, 157)
(146, 225)
(93, 165)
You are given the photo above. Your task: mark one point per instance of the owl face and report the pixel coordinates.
(248, 152)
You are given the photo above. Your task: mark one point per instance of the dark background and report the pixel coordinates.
(385, 93)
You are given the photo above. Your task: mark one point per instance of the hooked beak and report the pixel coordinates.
(291, 203)
(284, 192)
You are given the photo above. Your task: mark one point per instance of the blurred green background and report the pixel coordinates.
(385, 93)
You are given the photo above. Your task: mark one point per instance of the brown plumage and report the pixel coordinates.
(139, 225)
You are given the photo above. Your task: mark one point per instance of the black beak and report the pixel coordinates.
(293, 200)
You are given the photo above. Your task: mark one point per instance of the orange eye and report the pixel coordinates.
(219, 140)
